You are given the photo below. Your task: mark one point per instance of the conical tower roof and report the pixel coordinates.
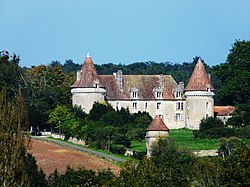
(88, 74)
(199, 80)
(157, 125)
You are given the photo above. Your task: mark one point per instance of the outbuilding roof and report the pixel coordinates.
(224, 110)
(157, 125)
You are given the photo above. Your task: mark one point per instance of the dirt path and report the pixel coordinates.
(50, 156)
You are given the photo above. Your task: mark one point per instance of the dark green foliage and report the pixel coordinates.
(37, 177)
(11, 74)
(241, 117)
(229, 145)
(236, 168)
(206, 171)
(117, 149)
(213, 128)
(98, 110)
(235, 75)
(81, 177)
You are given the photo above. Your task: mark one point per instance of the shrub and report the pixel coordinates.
(117, 149)
(122, 139)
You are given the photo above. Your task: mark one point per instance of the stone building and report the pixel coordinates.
(155, 130)
(224, 112)
(159, 95)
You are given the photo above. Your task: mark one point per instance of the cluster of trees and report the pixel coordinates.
(44, 92)
(103, 128)
(168, 166)
(215, 128)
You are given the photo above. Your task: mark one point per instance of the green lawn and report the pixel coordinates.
(185, 138)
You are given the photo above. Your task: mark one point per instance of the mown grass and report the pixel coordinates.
(185, 139)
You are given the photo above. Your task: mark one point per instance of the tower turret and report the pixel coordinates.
(155, 130)
(87, 89)
(199, 97)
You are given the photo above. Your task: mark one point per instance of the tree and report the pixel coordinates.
(59, 118)
(13, 122)
(235, 75)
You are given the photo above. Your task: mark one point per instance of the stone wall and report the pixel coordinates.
(71, 139)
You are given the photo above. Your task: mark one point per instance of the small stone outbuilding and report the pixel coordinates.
(155, 130)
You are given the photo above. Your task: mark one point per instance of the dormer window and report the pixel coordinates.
(208, 88)
(158, 93)
(96, 83)
(178, 94)
(134, 93)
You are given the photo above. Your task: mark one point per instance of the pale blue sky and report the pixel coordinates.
(122, 31)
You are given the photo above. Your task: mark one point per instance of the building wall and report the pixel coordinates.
(166, 109)
(152, 137)
(86, 97)
(199, 105)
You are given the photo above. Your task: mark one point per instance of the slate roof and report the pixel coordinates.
(145, 84)
(157, 125)
(199, 79)
(224, 110)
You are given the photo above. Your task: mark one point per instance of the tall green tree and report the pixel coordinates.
(13, 122)
(235, 75)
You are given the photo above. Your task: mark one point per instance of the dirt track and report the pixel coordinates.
(50, 156)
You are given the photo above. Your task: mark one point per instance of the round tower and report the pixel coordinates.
(155, 130)
(87, 88)
(199, 97)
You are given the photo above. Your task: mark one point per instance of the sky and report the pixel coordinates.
(122, 31)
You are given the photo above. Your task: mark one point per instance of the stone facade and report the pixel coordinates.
(156, 130)
(159, 95)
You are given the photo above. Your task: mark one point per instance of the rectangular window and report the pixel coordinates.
(134, 94)
(134, 105)
(158, 94)
(158, 105)
(146, 106)
(177, 117)
(179, 106)
(178, 95)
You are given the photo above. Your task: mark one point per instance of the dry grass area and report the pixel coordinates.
(50, 156)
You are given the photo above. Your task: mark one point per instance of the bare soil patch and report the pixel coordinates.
(50, 156)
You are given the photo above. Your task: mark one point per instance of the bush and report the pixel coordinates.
(122, 139)
(139, 155)
(244, 132)
(117, 149)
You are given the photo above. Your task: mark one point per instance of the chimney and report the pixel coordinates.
(181, 86)
(119, 79)
(209, 76)
(161, 80)
(78, 75)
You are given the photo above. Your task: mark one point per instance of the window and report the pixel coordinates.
(146, 106)
(134, 94)
(158, 105)
(178, 94)
(207, 105)
(179, 106)
(117, 106)
(207, 116)
(159, 94)
(178, 117)
(134, 105)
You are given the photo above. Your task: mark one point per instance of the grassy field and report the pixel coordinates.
(185, 138)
